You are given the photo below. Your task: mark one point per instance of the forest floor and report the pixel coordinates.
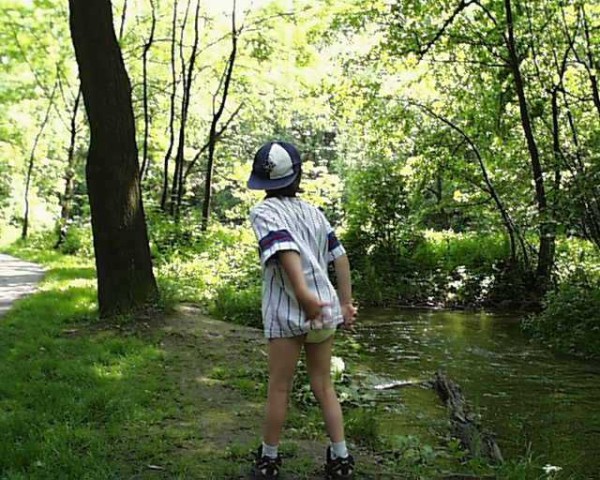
(220, 371)
(165, 396)
(155, 396)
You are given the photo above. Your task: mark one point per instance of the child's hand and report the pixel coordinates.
(312, 306)
(349, 312)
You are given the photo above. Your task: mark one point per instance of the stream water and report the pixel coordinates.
(534, 400)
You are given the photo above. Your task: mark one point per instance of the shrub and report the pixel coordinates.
(570, 321)
(78, 241)
(238, 306)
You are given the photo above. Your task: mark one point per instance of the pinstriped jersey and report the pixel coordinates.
(288, 223)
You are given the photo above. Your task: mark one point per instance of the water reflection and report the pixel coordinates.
(527, 395)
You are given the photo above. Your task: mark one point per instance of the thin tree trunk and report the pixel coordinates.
(588, 191)
(212, 139)
(547, 232)
(124, 267)
(25, 229)
(165, 188)
(218, 135)
(123, 18)
(182, 118)
(186, 106)
(558, 156)
(147, 47)
(592, 68)
(66, 199)
(490, 189)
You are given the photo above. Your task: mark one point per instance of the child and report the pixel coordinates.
(300, 307)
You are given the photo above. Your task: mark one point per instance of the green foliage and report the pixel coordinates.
(78, 241)
(69, 387)
(218, 269)
(238, 306)
(570, 321)
(440, 269)
(362, 427)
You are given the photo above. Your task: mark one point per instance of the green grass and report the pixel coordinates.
(75, 394)
(167, 397)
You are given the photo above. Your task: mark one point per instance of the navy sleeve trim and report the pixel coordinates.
(332, 241)
(272, 238)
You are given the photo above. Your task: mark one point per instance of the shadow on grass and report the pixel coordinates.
(73, 397)
(61, 274)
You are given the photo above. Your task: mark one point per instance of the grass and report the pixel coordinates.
(171, 396)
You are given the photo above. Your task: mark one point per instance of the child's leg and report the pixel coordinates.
(283, 357)
(318, 365)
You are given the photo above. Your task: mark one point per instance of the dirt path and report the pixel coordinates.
(221, 372)
(17, 278)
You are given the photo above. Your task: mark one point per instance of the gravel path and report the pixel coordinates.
(17, 278)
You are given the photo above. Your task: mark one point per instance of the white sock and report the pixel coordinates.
(339, 449)
(269, 450)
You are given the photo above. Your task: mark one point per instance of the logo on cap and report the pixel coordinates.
(268, 165)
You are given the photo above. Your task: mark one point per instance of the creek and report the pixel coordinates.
(537, 402)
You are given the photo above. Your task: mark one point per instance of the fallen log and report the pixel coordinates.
(399, 384)
(465, 424)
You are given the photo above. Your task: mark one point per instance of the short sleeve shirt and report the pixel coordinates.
(289, 223)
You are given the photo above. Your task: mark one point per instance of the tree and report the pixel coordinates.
(124, 267)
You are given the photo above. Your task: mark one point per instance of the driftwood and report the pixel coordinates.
(465, 424)
(399, 384)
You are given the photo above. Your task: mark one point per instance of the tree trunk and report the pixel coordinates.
(592, 66)
(547, 231)
(25, 229)
(187, 77)
(217, 113)
(165, 187)
(123, 17)
(147, 47)
(123, 264)
(186, 107)
(66, 199)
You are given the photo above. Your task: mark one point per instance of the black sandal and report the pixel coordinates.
(265, 467)
(340, 468)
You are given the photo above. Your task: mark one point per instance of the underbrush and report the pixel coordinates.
(570, 321)
(219, 270)
(83, 400)
(440, 269)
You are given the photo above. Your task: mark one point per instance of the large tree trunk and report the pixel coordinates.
(547, 232)
(124, 268)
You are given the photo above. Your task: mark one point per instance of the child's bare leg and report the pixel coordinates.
(283, 357)
(318, 361)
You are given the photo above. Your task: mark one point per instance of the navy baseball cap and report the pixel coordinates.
(276, 165)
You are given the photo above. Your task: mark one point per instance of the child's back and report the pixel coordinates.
(289, 223)
(300, 307)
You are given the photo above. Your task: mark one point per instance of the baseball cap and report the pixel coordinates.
(276, 165)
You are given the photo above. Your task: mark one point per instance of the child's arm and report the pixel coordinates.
(342, 272)
(292, 265)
